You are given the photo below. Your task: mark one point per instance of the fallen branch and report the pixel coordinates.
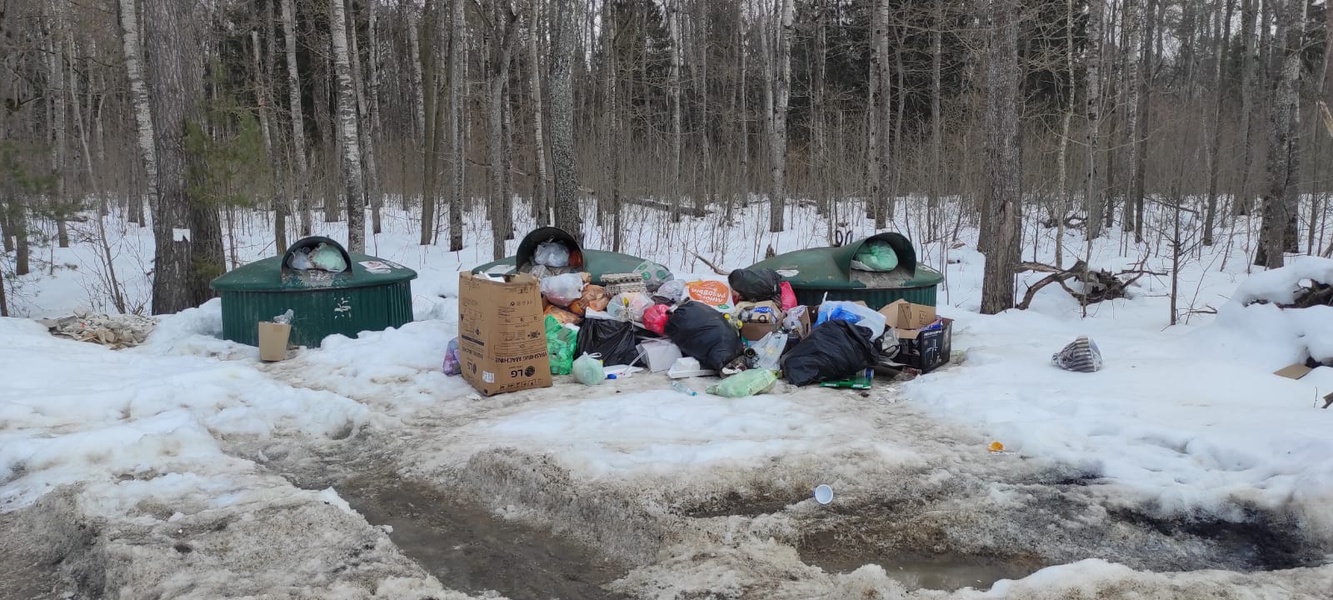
(715, 268)
(1098, 286)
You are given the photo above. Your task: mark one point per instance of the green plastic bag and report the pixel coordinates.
(588, 369)
(560, 342)
(875, 256)
(745, 383)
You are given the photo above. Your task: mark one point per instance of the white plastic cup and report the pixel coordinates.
(823, 494)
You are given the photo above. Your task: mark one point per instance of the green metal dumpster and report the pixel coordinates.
(815, 272)
(595, 262)
(371, 294)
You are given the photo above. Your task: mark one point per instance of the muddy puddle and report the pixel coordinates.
(468, 548)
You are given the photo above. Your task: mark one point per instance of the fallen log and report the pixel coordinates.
(1098, 285)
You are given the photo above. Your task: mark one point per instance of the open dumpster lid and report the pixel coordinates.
(831, 267)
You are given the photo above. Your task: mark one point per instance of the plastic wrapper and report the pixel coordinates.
(1081, 356)
(755, 284)
(595, 297)
(788, 296)
(300, 260)
(560, 344)
(327, 258)
(629, 306)
(704, 334)
(655, 318)
(561, 290)
(551, 254)
(563, 316)
(876, 256)
(613, 341)
(768, 350)
(852, 312)
(588, 370)
(653, 274)
(671, 292)
(833, 351)
(745, 383)
(452, 366)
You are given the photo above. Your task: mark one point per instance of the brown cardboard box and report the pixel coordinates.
(756, 331)
(502, 334)
(273, 340)
(904, 315)
(923, 350)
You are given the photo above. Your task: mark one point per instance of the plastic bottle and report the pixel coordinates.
(684, 389)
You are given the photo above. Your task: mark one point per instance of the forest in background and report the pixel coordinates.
(174, 113)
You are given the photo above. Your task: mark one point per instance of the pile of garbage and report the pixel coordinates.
(115, 331)
(749, 330)
(322, 257)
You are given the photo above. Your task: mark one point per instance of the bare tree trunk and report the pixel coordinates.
(540, 204)
(1284, 137)
(673, 83)
(778, 139)
(503, 38)
(366, 130)
(418, 88)
(1134, 46)
(457, 64)
(353, 193)
(883, 108)
(188, 236)
(936, 134)
(1215, 141)
(613, 140)
(59, 106)
(261, 98)
(567, 215)
(1004, 165)
(131, 46)
(298, 121)
(1147, 57)
(1249, 89)
(428, 98)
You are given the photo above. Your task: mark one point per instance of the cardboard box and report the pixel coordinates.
(902, 314)
(502, 334)
(273, 339)
(924, 350)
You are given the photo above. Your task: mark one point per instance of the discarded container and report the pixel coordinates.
(817, 272)
(684, 389)
(372, 294)
(823, 494)
(502, 334)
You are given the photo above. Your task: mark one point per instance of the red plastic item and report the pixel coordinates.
(655, 318)
(788, 296)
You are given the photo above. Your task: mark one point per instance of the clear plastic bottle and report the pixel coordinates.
(684, 389)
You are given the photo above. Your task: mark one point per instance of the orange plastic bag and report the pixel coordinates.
(595, 297)
(563, 316)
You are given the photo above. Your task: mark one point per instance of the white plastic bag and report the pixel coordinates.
(862, 316)
(673, 291)
(561, 290)
(629, 306)
(768, 350)
(551, 254)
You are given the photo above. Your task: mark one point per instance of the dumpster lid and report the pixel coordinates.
(273, 275)
(831, 267)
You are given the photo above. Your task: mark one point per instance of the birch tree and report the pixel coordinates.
(353, 193)
(778, 135)
(1280, 203)
(504, 22)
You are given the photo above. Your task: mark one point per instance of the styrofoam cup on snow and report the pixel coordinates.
(823, 494)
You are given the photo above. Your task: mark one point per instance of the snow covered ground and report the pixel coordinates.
(1183, 469)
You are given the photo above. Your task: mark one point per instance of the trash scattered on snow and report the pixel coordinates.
(115, 331)
(823, 494)
(1081, 355)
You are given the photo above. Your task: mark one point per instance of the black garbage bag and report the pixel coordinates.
(701, 332)
(614, 340)
(833, 350)
(756, 285)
